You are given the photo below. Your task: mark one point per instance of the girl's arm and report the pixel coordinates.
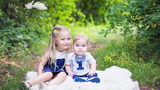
(93, 69)
(69, 71)
(42, 63)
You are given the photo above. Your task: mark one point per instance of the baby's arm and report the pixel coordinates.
(92, 70)
(69, 71)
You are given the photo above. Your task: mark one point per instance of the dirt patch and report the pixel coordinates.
(149, 88)
(92, 46)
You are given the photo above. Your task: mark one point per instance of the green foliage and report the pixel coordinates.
(144, 17)
(14, 30)
(100, 10)
(123, 54)
(20, 27)
(64, 12)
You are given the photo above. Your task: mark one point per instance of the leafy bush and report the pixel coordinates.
(144, 17)
(100, 11)
(64, 12)
(20, 28)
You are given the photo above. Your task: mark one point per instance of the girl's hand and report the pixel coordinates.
(91, 73)
(69, 71)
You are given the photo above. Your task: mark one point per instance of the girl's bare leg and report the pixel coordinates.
(41, 78)
(58, 79)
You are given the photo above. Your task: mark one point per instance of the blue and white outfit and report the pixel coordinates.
(80, 65)
(59, 66)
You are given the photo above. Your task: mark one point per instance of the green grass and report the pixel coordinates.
(92, 31)
(123, 54)
(12, 75)
(39, 48)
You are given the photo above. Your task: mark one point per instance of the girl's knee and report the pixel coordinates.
(48, 75)
(63, 73)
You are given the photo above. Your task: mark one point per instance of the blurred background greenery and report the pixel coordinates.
(129, 28)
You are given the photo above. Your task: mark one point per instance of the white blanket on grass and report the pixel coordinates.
(113, 78)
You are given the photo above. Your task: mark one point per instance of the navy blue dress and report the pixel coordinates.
(51, 68)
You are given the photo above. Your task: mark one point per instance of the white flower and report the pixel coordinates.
(29, 5)
(40, 6)
(37, 5)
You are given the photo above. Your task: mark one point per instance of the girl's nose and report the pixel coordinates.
(66, 41)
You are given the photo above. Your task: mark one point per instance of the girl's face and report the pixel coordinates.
(63, 41)
(80, 47)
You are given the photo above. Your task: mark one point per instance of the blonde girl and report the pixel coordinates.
(51, 66)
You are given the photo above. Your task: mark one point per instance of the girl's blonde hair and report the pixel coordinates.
(51, 49)
(81, 36)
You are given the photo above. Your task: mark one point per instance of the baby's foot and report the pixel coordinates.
(78, 79)
(94, 80)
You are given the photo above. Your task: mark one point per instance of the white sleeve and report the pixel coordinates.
(68, 61)
(91, 59)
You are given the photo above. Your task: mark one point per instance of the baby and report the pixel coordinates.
(80, 64)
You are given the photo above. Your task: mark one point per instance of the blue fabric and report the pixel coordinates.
(79, 79)
(95, 75)
(94, 80)
(79, 60)
(59, 65)
(83, 58)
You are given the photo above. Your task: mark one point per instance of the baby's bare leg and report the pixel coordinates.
(41, 78)
(58, 79)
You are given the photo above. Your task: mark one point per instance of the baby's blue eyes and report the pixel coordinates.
(82, 45)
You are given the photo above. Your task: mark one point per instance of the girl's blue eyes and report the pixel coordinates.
(68, 39)
(77, 45)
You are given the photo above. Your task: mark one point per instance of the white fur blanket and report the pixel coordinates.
(113, 78)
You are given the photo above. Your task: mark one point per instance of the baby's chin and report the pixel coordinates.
(79, 54)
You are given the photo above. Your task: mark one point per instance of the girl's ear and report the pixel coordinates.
(55, 43)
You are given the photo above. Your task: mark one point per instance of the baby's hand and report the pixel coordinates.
(91, 73)
(71, 74)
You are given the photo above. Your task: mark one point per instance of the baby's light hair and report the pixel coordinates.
(51, 49)
(81, 36)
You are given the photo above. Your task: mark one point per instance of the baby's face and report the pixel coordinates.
(80, 47)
